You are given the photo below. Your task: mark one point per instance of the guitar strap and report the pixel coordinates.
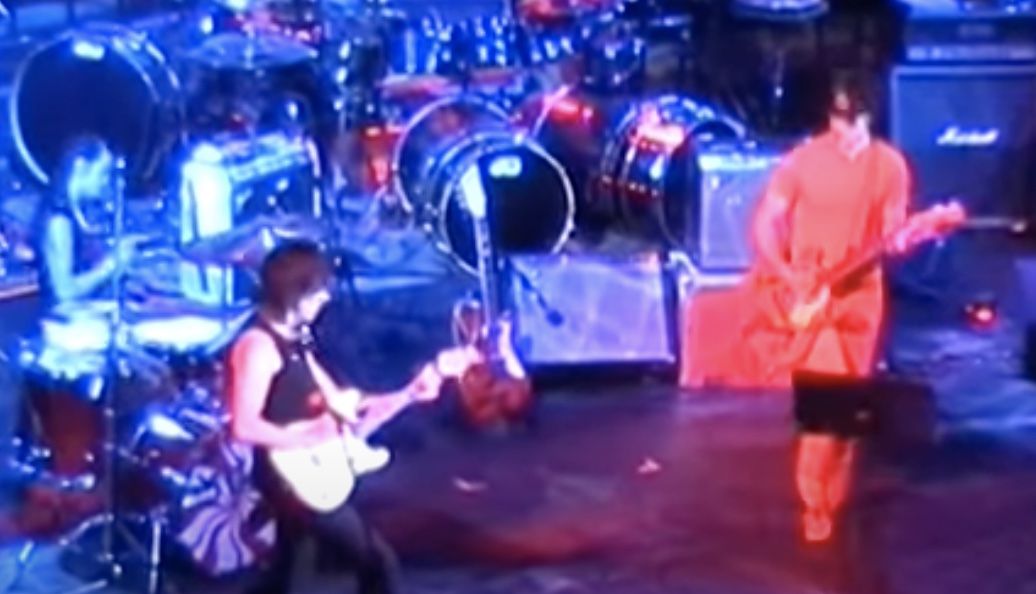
(873, 211)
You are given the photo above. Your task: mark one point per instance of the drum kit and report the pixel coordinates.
(139, 379)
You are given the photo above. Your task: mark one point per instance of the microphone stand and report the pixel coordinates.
(554, 317)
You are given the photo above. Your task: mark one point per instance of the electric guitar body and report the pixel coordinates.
(494, 390)
(800, 313)
(323, 476)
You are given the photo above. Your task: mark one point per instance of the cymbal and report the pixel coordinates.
(248, 245)
(238, 51)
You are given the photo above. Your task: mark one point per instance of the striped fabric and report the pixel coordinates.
(219, 528)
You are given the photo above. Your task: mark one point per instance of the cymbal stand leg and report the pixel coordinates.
(25, 556)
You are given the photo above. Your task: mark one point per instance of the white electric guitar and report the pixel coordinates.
(323, 476)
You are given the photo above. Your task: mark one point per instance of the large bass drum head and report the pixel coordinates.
(106, 83)
(427, 138)
(530, 203)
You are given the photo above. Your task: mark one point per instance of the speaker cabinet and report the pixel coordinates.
(733, 179)
(593, 310)
(968, 131)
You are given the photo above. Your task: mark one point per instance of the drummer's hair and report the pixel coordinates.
(88, 147)
(289, 273)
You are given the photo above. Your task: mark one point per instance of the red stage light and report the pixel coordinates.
(981, 314)
(568, 108)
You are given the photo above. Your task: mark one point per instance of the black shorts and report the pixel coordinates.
(833, 404)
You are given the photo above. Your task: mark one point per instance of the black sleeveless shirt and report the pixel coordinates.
(293, 394)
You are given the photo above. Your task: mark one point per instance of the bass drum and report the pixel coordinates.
(531, 202)
(634, 163)
(104, 80)
(650, 170)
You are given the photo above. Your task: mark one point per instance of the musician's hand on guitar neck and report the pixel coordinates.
(899, 242)
(807, 297)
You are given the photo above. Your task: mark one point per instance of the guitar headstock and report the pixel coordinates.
(934, 222)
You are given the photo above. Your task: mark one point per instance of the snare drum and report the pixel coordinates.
(178, 335)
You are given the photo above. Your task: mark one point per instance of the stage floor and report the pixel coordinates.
(645, 490)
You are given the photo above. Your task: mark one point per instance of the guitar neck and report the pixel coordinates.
(854, 265)
(388, 407)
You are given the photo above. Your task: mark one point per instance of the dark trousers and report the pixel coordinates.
(341, 533)
(345, 535)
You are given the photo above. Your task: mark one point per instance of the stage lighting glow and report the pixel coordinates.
(658, 168)
(163, 426)
(981, 314)
(669, 136)
(88, 50)
(509, 166)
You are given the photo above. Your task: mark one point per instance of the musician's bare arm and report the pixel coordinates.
(896, 200)
(58, 252)
(771, 221)
(254, 361)
(343, 401)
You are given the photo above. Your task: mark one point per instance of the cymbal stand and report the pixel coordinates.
(109, 520)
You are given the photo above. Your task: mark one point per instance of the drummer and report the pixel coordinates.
(76, 258)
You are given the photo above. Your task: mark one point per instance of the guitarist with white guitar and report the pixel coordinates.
(302, 424)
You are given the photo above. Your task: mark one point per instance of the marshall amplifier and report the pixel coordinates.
(968, 131)
(970, 35)
(733, 179)
(580, 311)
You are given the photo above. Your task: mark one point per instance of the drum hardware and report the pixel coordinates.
(613, 54)
(781, 22)
(632, 163)
(531, 198)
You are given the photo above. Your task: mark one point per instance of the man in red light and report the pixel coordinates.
(833, 195)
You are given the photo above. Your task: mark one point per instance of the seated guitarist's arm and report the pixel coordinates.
(254, 361)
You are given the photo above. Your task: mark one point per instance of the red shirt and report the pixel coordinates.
(839, 203)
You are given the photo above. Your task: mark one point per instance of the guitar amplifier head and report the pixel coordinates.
(593, 310)
(233, 180)
(733, 179)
